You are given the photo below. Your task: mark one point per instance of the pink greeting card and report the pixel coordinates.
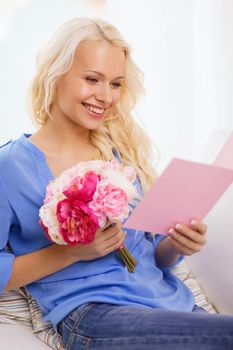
(185, 190)
(225, 156)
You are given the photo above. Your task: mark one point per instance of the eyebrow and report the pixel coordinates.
(101, 74)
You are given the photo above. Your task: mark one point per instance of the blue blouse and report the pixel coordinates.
(24, 176)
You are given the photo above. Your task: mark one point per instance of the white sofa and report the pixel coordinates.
(212, 267)
(18, 337)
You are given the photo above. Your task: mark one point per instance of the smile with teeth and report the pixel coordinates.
(94, 109)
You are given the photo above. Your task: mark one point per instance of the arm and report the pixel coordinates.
(165, 254)
(183, 240)
(17, 271)
(33, 266)
(36, 265)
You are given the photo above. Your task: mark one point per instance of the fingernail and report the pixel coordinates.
(193, 222)
(178, 226)
(171, 231)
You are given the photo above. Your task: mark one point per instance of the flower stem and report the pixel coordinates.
(127, 258)
(126, 261)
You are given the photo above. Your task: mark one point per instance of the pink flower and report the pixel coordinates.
(109, 201)
(77, 223)
(82, 188)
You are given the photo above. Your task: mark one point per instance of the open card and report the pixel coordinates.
(185, 190)
(225, 156)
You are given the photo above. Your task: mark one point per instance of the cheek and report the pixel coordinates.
(73, 89)
(64, 91)
(83, 91)
(116, 97)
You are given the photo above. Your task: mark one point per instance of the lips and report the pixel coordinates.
(92, 112)
(94, 108)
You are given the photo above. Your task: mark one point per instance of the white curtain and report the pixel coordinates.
(212, 69)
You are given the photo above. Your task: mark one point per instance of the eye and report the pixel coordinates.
(116, 85)
(92, 80)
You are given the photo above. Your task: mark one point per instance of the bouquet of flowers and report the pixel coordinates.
(84, 197)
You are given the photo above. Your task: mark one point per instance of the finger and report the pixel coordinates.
(111, 229)
(111, 232)
(199, 225)
(179, 248)
(108, 224)
(195, 236)
(114, 244)
(115, 237)
(186, 242)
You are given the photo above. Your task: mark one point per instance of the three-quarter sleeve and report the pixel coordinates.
(6, 257)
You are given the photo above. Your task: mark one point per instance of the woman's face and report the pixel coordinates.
(92, 86)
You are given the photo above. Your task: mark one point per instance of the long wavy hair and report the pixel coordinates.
(119, 129)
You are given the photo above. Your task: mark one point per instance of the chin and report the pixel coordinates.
(93, 126)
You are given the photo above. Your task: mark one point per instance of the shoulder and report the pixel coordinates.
(5, 150)
(9, 155)
(5, 144)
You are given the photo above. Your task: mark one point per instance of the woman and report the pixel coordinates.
(81, 97)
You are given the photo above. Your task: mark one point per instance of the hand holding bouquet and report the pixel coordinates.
(83, 198)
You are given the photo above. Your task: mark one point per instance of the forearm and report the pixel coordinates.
(36, 265)
(165, 254)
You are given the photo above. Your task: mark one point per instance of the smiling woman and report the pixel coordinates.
(85, 96)
(81, 99)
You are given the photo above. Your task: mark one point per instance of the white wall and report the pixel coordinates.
(184, 47)
(212, 69)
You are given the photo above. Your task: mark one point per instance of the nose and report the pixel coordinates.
(104, 94)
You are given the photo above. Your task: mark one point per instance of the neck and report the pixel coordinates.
(61, 138)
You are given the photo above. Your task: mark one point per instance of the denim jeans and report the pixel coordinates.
(99, 326)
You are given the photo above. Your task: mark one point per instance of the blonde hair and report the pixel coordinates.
(119, 129)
